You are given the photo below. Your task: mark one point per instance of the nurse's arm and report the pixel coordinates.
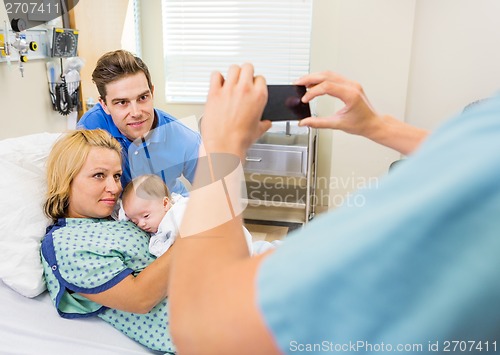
(213, 298)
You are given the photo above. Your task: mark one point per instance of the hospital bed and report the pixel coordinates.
(29, 323)
(32, 326)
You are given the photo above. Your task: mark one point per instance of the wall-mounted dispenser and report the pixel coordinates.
(21, 45)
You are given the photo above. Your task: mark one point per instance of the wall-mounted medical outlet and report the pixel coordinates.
(38, 36)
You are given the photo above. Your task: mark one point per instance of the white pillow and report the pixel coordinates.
(22, 221)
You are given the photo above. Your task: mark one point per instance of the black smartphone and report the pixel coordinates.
(284, 103)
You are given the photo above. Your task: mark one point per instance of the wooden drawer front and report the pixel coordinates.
(276, 162)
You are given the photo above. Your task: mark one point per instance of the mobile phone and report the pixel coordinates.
(284, 103)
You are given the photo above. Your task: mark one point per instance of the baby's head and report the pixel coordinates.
(145, 201)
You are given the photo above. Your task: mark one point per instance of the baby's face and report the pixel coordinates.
(146, 214)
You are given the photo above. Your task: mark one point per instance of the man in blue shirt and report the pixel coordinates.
(153, 141)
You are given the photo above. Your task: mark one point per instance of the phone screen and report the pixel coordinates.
(284, 104)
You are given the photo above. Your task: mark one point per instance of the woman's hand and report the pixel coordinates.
(231, 122)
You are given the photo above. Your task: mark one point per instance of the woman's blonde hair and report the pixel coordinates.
(65, 161)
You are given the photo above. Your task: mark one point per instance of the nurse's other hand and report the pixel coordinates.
(356, 117)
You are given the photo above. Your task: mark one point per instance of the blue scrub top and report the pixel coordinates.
(411, 269)
(170, 150)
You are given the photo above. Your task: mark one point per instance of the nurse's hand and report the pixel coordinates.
(231, 121)
(356, 117)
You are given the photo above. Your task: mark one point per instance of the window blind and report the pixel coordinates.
(131, 35)
(203, 36)
(137, 27)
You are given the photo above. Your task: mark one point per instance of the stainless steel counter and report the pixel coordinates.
(286, 154)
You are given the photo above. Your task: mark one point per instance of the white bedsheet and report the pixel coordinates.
(32, 326)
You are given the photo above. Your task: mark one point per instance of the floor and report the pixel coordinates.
(270, 230)
(271, 224)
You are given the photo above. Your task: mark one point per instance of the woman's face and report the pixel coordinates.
(96, 188)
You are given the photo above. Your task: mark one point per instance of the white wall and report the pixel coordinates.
(368, 41)
(455, 58)
(25, 105)
(421, 61)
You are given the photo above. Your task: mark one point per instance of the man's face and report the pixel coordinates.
(129, 101)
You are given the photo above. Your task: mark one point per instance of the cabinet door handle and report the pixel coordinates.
(253, 159)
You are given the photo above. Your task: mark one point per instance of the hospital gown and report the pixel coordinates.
(91, 256)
